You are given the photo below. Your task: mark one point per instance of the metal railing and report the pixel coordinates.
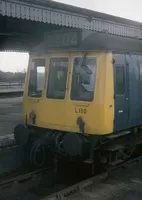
(11, 89)
(11, 84)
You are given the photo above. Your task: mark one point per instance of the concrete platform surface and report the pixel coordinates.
(10, 114)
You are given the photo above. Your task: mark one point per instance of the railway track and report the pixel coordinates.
(21, 177)
(21, 182)
(80, 190)
(25, 180)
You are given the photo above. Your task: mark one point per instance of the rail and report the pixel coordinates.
(80, 187)
(25, 180)
(22, 177)
(11, 84)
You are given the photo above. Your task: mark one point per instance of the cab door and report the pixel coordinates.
(34, 88)
(54, 104)
(121, 93)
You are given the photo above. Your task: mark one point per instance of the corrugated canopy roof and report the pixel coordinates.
(69, 16)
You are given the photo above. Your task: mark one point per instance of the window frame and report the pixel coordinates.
(48, 75)
(88, 57)
(29, 72)
(124, 80)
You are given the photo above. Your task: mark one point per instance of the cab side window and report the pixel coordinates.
(37, 78)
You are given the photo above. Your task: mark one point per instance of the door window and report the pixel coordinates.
(120, 79)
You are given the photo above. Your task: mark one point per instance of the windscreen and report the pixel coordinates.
(57, 78)
(37, 77)
(83, 79)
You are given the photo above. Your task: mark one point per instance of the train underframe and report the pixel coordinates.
(46, 145)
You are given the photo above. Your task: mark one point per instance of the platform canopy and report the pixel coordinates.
(51, 14)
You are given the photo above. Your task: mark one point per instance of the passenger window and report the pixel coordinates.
(83, 79)
(120, 79)
(37, 74)
(57, 78)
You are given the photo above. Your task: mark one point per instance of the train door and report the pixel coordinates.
(34, 86)
(121, 94)
(56, 91)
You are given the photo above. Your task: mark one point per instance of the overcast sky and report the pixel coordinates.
(124, 8)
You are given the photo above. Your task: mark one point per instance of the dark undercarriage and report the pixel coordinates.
(110, 150)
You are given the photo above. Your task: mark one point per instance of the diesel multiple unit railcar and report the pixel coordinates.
(83, 95)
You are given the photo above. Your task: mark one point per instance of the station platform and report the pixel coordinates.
(11, 156)
(10, 114)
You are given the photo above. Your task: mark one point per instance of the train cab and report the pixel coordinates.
(81, 87)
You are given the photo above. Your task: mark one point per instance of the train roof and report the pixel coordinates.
(85, 40)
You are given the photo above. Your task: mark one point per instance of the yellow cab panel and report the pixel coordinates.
(60, 92)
